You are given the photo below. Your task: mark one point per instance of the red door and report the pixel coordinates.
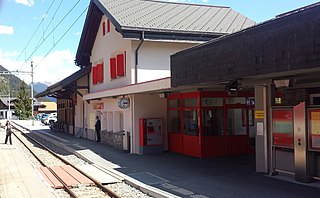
(237, 138)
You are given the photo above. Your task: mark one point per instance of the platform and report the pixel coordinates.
(17, 176)
(188, 177)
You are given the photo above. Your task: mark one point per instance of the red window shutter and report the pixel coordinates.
(103, 28)
(113, 69)
(120, 65)
(93, 71)
(101, 72)
(108, 26)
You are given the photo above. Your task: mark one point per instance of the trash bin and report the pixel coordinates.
(126, 141)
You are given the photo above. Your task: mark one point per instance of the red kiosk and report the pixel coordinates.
(209, 124)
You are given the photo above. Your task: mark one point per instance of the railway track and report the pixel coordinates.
(61, 173)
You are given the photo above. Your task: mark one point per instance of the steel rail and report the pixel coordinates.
(105, 189)
(65, 186)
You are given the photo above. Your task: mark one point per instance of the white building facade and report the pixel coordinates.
(128, 44)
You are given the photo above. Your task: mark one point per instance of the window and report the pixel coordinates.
(234, 122)
(190, 102)
(118, 65)
(105, 27)
(174, 121)
(212, 122)
(190, 122)
(97, 73)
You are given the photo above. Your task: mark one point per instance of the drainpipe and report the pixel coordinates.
(136, 53)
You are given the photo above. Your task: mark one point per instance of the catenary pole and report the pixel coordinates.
(32, 103)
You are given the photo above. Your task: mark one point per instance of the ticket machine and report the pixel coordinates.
(151, 135)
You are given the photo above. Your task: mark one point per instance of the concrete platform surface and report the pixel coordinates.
(17, 176)
(188, 177)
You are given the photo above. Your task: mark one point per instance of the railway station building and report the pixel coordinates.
(199, 80)
(129, 56)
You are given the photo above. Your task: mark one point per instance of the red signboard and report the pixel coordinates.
(98, 106)
(282, 127)
(314, 128)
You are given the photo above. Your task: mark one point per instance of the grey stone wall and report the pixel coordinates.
(113, 139)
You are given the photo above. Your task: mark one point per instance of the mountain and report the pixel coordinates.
(14, 84)
(9, 83)
(39, 87)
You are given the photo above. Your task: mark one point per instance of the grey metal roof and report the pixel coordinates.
(5, 101)
(170, 16)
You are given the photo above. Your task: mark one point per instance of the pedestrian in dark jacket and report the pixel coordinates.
(8, 132)
(97, 127)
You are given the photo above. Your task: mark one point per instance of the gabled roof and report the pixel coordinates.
(159, 20)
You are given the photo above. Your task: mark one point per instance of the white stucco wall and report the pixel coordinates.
(154, 58)
(148, 106)
(110, 118)
(79, 107)
(106, 47)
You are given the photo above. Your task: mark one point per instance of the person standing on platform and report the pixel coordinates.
(8, 132)
(97, 127)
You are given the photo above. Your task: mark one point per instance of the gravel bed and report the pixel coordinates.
(126, 191)
(89, 192)
(122, 189)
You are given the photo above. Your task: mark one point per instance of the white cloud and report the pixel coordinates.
(55, 67)
(28, 3)
(6, 29)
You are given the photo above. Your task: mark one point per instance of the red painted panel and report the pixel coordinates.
(108, 26)
(175, 142)
(94, 75)
(237, 145)
(103, 28)
(120, 65)
(282, 139)
(191, 145)
(100, 73)
(113, 69)
(213, 146)
(141, 131)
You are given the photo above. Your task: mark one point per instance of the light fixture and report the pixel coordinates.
(281, 83)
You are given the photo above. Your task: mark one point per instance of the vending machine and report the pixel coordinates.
(151, 135)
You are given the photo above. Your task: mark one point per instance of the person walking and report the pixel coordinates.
(8, 132)
(97, 127)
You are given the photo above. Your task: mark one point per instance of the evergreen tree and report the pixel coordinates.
(23, 106)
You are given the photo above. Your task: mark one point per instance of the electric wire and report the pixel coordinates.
(55, 13)
(53, 31)
(61, 37)
(24, 49)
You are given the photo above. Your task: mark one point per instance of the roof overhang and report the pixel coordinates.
(67, 84)
(159, 85)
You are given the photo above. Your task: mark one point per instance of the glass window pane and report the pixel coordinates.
(190, 122)
(211, 102)
(190, 102)
(174, 121)
(236, 100)
(234, 122)
(174, 103)
(212, 122)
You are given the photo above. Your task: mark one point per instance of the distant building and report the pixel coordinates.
(9, 113)
(48, 107)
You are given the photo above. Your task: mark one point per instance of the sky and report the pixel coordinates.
(47, 32)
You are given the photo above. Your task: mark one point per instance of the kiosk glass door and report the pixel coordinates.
(237, 139)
